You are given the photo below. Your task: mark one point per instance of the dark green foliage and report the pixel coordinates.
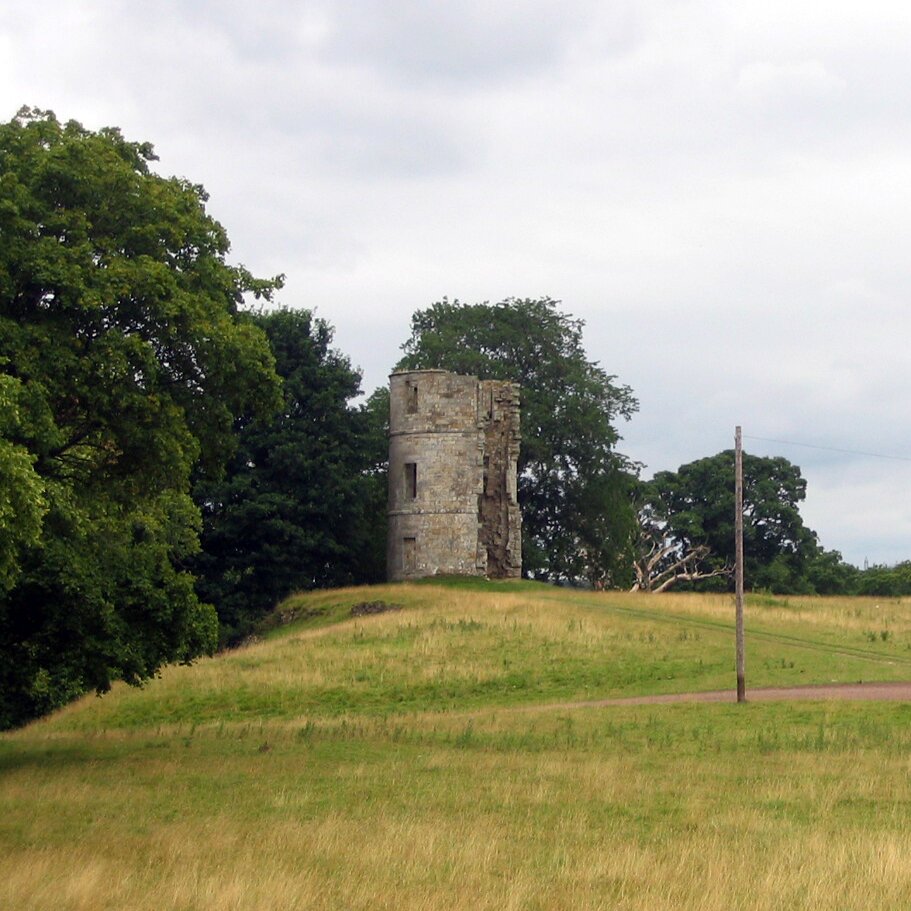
(697, 503)
(884, 581)
(828, 574)
(124, 362)
(602, 549)
(302, 504)
(576, 516)
(373, 426)
(22, 492)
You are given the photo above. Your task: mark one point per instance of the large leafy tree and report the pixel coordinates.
(695, 508)
(22, 500)
(576, 516)
(303, 500)
(124, 361)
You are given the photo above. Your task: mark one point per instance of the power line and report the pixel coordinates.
(873, 455)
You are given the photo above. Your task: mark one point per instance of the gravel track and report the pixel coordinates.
(872, 692)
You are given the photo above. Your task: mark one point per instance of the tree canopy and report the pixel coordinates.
(576, 517)
(125, 359)
(695, 506)
(302, 504)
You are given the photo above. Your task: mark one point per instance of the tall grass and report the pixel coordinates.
(399, 762)
(454, 649)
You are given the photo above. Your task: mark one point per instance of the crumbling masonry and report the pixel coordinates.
(453, 451)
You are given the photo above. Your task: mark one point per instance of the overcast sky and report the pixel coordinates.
(722, 191)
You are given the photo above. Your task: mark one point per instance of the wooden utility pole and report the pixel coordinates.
(738, 550)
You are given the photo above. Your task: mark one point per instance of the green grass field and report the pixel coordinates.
(420, 758)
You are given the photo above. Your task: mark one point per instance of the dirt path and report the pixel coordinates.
(876, 692)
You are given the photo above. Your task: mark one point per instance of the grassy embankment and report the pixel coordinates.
(408, 760)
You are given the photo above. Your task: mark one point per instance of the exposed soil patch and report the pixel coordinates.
(366, 608)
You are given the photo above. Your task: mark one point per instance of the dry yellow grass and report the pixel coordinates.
(255, 795)
(373, 824)
(804, 612)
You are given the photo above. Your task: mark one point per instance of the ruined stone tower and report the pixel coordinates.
(453, 449)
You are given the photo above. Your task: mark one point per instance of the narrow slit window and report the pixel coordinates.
(412, 399)
(411, 480)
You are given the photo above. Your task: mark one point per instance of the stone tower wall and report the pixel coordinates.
(453, 447)
(500, 520)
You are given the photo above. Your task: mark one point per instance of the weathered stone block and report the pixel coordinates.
(453, 451)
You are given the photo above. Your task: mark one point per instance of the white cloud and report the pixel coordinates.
(722, 191)
(458, 45)
(806, 79)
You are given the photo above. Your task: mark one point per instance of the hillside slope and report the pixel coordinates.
(408, 759)
(465, 646)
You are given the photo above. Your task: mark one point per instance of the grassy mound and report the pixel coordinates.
(404, 747)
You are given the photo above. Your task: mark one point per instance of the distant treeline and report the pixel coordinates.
(686, 534)
(883, 581)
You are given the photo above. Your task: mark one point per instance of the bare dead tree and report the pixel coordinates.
(662, 563)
